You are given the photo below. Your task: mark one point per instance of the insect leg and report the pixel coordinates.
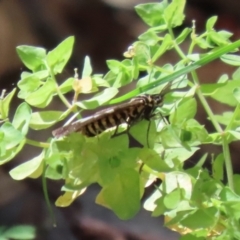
(149, 125)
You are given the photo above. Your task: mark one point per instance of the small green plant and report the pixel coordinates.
(195, 203)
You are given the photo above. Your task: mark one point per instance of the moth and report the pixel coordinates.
(137, 109)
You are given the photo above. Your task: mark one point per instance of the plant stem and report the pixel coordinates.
(236, 115)
(45, 192)
(228, 162)
(177, 48)
(3, 115)
(225, 146)
(61, 96)
(205, 104)
(37, 144)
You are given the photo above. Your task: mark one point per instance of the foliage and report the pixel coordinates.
(17, 232)
(194, 202)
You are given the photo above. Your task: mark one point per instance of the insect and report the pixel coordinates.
(137, 109)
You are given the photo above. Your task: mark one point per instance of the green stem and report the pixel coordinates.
(236, 115)
(225, 146)
(180, 52)
(61, 96)
(228, 162)
(226, 152)
(45, 192)
(3, 115)
(202, 61)
(177, 48)
(205, 104)
(37, 144)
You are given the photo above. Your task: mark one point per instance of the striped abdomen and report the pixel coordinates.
(141, 107)
(128, 115)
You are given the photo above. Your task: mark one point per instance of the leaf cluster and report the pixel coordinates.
(194, 202)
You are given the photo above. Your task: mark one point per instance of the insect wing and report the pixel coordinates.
(72, 127)
(78, 125)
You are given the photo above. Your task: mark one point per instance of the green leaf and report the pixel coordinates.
(225, 35)
(99, 99)
(105, 157)
(122, 79)
(186, 110)
(122, 195)
(210, 23)
(228, 195)
(173, 14)
(231, 208)
(144, 132)
(190, 236)
(170, 137)
(216, 38)
(223, 78)
(87, 68)
(152, 13)
(202, 218)
(32, 57)
(218, 167)
(44, 119)
(31, 167)
(8, 154)
(172, 199)
(235, 134)
(20, 232)
(182, 36)
(149, 37)
(86, 171)
(228, 118)
(210, 88)
(231, 59)
(11, 153)
(176, 180)
(5, 103)
(12, 136)
(119, 73)
(236, 94)
(193, 132)
(142, 53)
(236, 180)
(150, 204)
(115, 66)
(203, 43)
(185, 136)
(236, 74)
(55, 166)
(54, 173)
(135, 68)
(160, 208)
(67, 85)
(99, 81)
(43, 96)
(166, 44)
(59, 56)
(152, 159)
(31, 82)
(22, 118)
(179, 155)
(227, 92)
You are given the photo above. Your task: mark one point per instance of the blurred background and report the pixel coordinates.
(103, 29)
